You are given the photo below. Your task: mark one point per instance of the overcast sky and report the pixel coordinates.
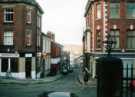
(65, 18)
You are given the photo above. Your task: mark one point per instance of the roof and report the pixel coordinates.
(30, 2)
(88, 7)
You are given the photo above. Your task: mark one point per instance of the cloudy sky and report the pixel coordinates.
(65, 18)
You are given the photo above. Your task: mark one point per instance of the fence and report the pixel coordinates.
(127, 91)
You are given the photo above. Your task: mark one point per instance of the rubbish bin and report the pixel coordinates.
(109, 76)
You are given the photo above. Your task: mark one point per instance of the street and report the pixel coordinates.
(67, 83)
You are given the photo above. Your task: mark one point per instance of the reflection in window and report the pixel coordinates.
(114, 10)
(131, 10)
(131, 39)
(116, 38)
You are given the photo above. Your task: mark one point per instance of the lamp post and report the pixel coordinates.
(109, 43)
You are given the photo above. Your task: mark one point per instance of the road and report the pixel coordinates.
(66, 83)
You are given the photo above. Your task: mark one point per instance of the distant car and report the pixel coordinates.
(57, 94)
(132, 85)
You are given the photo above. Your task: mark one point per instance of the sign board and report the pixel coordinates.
(9, 55)
(28, 55)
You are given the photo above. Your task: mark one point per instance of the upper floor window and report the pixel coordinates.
(38, 38)
(114, 10)
(28, 37)
(98, 11)
(131, 10)
(29, 16)
(115, 36)
(8, 38)
(8, 15)
(39, 21)
(98, 39)
(130, 40)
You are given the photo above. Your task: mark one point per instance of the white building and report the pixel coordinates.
(46, 53)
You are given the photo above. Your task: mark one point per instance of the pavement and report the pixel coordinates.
(30, 81)
(91, 82)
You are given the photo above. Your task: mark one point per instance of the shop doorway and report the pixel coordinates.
(28, 67)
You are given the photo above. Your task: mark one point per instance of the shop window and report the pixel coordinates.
(4, 66)
(14, 65)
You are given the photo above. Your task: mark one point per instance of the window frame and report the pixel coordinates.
(127, 11)
(98, 13)
(116, 38)
(8, 39)
(131, 39)
(114, 7)
(10, 13)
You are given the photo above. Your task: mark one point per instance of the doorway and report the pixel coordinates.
(28, 67)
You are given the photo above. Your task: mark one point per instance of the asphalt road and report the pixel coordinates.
(66, 83)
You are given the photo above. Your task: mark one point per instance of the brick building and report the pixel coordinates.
(56, 54)
(113, 17)
(20, 44)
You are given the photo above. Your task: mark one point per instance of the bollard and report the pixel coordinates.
(109, 76)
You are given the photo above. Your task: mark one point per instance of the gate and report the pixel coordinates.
(127, 78)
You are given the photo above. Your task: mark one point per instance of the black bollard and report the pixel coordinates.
(109, 76)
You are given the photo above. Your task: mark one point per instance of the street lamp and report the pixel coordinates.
(109, 43)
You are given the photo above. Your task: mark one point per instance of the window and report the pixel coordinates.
(99, 11)
(131, 40)
(116, 38)
(38, 38)
(14, 65)
(114, 10)
(28, 37)
(8, 15)
(29, 15)
(4, 66)
(8, 38)
(131, 10)
(98, 39)
(39, 21)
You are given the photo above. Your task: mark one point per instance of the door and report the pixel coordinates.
(28, 67)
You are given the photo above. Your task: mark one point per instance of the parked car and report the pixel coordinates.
(57, 94)
(132, 85)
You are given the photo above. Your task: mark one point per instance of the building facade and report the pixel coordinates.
(46, 54)
(110, 17)
(20, 42)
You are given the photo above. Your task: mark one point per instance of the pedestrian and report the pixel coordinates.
(86, 76)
